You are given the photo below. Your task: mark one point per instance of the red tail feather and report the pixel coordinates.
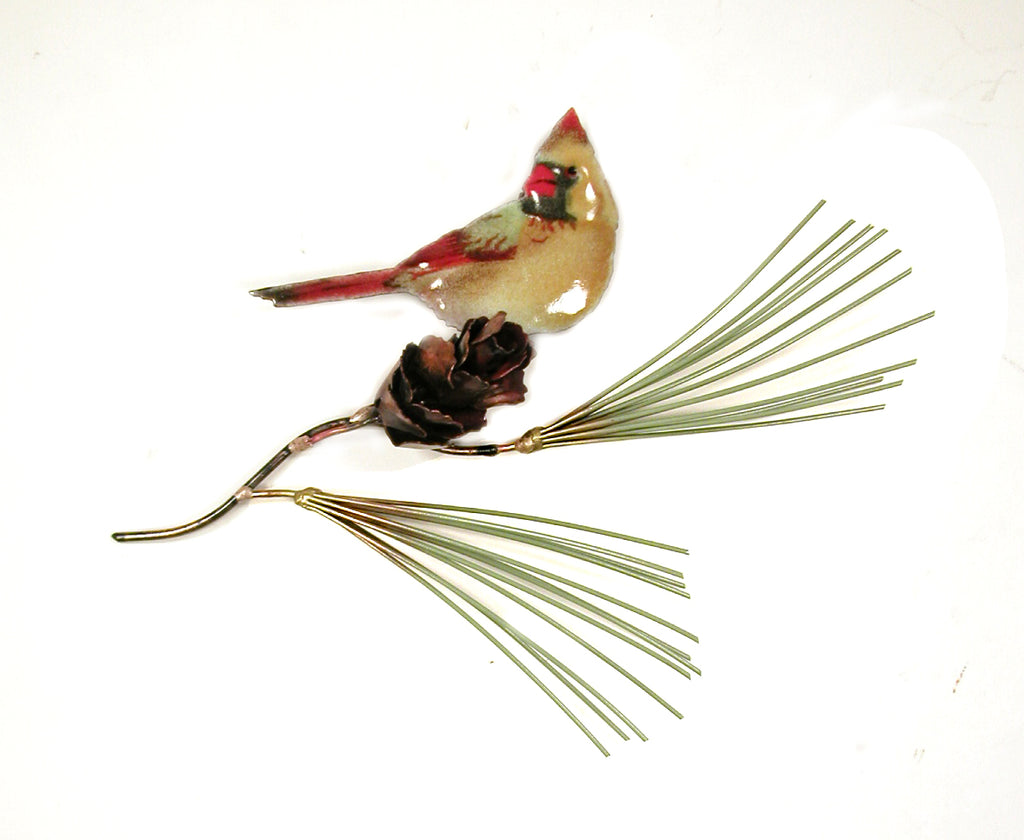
(362, 284)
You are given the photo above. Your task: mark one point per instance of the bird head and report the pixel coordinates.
(567, 182)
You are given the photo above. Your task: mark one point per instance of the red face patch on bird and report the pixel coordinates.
(542, 181)
(545, 191)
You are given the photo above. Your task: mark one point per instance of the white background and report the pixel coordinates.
(857, 584)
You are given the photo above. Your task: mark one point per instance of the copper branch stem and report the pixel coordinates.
(531, 441)
(314, 435)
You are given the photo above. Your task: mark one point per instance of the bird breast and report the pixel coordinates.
(558, 273)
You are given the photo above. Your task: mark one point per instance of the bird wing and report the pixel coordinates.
(491, 237)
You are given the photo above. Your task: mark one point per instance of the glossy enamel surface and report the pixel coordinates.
(545, 269)
(544, 259)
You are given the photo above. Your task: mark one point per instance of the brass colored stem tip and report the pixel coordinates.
(248, 490)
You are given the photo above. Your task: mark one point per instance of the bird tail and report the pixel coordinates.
(361, 284)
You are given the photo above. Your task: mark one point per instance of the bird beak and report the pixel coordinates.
(542, 181)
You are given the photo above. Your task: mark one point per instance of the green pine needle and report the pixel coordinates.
(691, 386)
(672, 393)
(461, 553)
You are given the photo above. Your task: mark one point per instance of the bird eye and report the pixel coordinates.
(571, 172)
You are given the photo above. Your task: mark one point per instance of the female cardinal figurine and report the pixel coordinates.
(543, 259)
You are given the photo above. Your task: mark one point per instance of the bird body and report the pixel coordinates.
(543, 259)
